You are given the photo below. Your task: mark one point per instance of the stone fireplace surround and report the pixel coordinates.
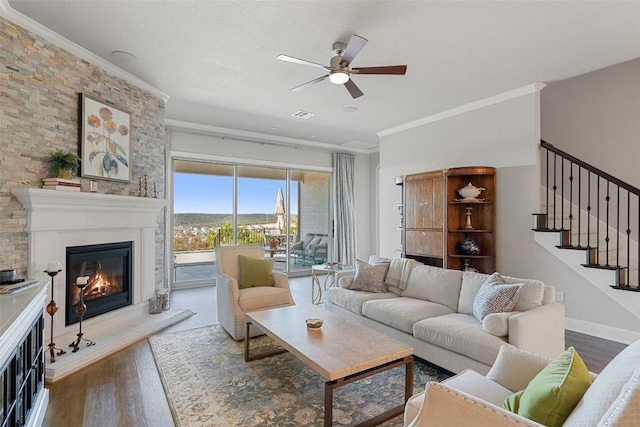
(57, 219)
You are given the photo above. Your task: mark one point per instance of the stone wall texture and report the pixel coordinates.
(314, 203)
(40, 87)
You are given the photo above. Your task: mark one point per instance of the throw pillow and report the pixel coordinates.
(554, 392)
(495, 297)
(369, 278)
(255, 272)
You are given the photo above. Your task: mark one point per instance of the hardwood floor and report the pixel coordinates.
(124, 389)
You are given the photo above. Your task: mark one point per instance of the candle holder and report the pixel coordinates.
(52, 308)
(468, 225)
(81, 308)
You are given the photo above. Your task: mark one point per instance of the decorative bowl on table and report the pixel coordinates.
(314, 323)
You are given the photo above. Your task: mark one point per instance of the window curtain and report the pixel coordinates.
(344, 242)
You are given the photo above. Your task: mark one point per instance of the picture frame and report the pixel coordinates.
(105, 141)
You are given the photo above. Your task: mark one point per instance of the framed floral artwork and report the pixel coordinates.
(105, 141)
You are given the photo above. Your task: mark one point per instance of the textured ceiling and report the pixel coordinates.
(217, 59)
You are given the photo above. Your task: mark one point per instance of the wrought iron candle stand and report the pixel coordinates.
(81, 308)
(52, 308)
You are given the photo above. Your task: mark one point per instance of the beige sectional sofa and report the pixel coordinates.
(432, 310)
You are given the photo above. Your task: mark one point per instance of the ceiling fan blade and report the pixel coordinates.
(391, 69)
(311, 83)
(353, 48)
(353, 89)
(301, 61)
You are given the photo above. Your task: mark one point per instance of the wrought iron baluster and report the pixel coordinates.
(606, 239)
(555, 188)
(589, 209)
(562, 192)
(547, 188)
(579, 203)
(570, 203)
(618, 228)
(598, 224)
(628, 236)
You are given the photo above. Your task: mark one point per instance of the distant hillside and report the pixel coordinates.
(216, 220)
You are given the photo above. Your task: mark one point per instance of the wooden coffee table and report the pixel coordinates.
(341, 351)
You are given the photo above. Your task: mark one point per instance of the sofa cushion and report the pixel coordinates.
(263, 297)
(369, 278)
(353, 300)
(515, 368)
(495, 297)
(434, 284)
(477, 385)
(600, 400)
(531, 294)
(471, 283)
(497, 323)
(554, 392)
(401, 313)
(459, 333)
(255, 272)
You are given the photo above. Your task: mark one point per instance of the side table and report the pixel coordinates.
(331, 276)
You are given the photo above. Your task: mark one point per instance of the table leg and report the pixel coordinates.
(328, 404)
(316, 297)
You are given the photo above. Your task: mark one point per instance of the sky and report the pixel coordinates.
(195, 193)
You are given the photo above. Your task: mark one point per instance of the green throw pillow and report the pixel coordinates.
(552, 395)
(255, 272)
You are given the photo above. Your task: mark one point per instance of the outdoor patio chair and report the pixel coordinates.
(235, 297)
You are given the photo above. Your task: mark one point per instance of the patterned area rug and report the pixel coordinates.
(208, 383)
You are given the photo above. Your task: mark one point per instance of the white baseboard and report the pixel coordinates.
(624, 336)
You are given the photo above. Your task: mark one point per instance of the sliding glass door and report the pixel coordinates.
(286, 211)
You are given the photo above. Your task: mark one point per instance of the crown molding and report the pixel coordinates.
(29, 24)
(496, 99)
(262, 138)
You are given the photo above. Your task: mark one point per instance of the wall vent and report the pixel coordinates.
(303, 114)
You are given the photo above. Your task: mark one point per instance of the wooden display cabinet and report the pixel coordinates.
(474, 219)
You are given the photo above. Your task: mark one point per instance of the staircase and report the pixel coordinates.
(594, 220)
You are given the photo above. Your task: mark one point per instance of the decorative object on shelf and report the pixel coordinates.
(105, 141)
(140, 187)
(164, 296)
(62, 164)
(8, 275)
(155, 305)
(53, 268)
(61, 184)
(314, 323)
(145, 186)
(155, 189)
(470, 192)
(81, 308)
(466, 267)
(93, 186)
(468, 225)
(470, 247)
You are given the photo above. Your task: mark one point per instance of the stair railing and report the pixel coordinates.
(611, 197)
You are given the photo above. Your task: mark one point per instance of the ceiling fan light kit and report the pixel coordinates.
(339, 71)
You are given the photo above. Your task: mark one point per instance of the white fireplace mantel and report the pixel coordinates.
(60, 219)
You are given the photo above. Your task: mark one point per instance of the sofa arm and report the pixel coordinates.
(539, 330)
(445, 406)
(280, 280)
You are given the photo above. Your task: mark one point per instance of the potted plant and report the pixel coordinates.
(63, 164)
(273, 242)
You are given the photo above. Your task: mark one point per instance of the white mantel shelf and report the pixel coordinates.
(57, 220)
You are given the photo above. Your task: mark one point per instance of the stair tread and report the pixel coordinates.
(604, 267)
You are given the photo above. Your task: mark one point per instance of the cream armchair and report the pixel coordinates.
(613, 399)
(234, 302)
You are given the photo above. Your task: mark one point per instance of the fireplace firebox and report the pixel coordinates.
(109, 268)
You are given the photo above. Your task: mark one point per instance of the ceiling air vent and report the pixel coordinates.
(303, 114)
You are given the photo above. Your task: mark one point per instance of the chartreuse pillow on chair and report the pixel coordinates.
(255, 272)
(552, 395)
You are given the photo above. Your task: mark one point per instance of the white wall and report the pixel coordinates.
(595, 117)
(504, 135)
(206, 147)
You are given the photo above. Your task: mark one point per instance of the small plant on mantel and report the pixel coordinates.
(63, 164)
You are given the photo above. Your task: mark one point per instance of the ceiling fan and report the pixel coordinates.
(339, 71)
